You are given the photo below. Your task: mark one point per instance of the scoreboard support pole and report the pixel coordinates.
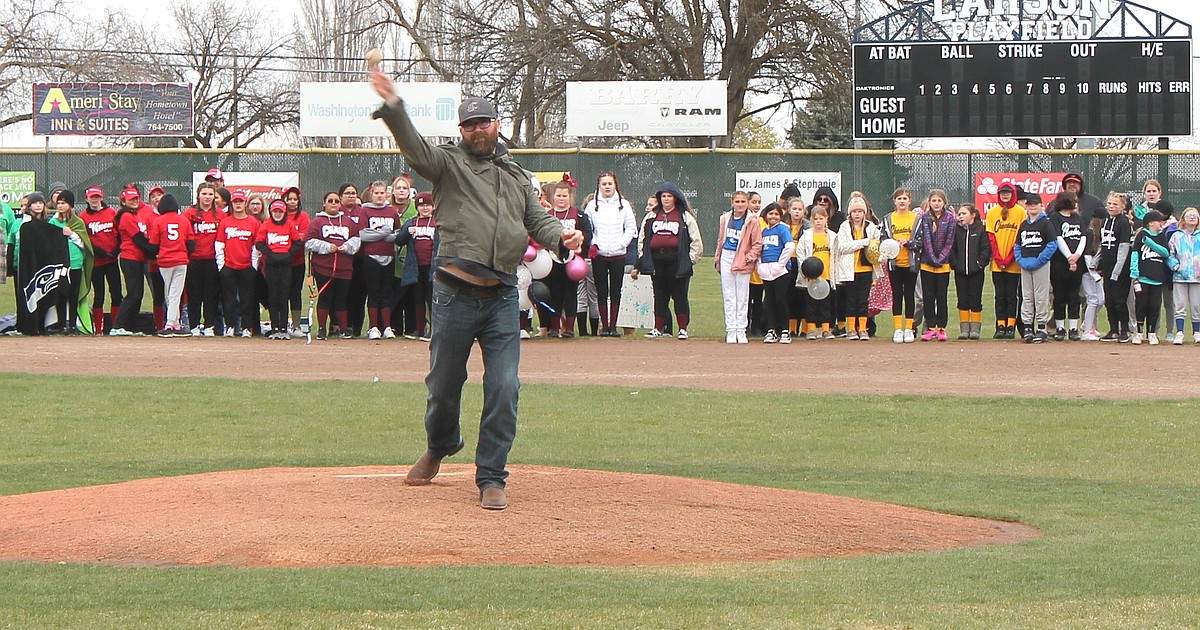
(1023, 159)
(1164, 162)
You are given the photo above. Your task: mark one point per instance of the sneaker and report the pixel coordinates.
(321, 335)
(1027, 337)
(770, 337)
(1124, 338)
(1135, 338)
(166, 332)
(1040, 336)
(741, 338)
(566, 334)
(1178, 340)
(228, 332)
(999, 334)
(197, 331)
(246, 334)
(1010, 332)
(730, 337)
(786, 337)
(862, 336)
(1196, 337)
(828, 334)
(295, 331)
(209, 332)
(909, 336)
(1073, 335)
(1090, 336)
(929, 335)
(347, 333)
(388, 333)
(898, 336)
(839, 333)
(683, 333)
(119, 332)
(425, 336)
(941, 334)
(285, 335)
(654, 334)
(373, 333)
(178, 331)
(852, 335)
(1153, 339)
(811, 335)
(1060, 334)
(413, 335)
(524, 335)
(1111, 336)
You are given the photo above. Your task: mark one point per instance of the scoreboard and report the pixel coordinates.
(1087, 88)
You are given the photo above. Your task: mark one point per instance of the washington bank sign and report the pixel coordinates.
(1004, 20)
(646, 108)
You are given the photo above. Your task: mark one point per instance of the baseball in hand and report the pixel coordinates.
(374, 57)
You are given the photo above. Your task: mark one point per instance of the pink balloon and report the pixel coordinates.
(530, 253)
(576, 268)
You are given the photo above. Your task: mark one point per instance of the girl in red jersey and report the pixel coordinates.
(203, 279)
(297, 215)
(237, 260)
(563, 290)
(418, 239)
(134, 249)
(256, 207)
(171, 236)
(669, 246)
(378, 224)
(332, 239)
(278, 241)
(101, 222)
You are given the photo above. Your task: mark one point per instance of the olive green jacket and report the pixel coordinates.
(485, 206)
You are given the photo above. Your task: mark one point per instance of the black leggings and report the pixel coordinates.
(296, 289)
(1066, 284)
(111, 274)
(1116, 302)
(279, 285)
(796, 296)
(904, 289)
(68, 305)
(776, 294)
(378, 281)
(1149, 302)
(203, 286)
(563, 297)
(356, 297)
(135, 288)
(668, 288)
(237, 287)
(158, 288)
(1007, 286)
(934, 290)
(970, 291)
(609, 274)
(856, 294)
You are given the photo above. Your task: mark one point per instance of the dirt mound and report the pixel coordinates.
(310, 517)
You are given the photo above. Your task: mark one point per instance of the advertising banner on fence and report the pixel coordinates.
(771, 184)
(344, 109)
(112, 109)
(988, 184)
(267, 184)
(14, 185)
(646, 108)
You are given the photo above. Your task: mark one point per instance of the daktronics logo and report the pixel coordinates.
(988, 184)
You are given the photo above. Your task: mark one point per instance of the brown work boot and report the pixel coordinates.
(492, 498)
(426, 468)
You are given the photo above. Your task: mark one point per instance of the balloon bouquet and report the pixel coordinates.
(536, 264)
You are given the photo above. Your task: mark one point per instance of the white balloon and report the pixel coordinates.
(524, 278)
(540, 267)
(818, 289)
(889, 249)
(523, 299)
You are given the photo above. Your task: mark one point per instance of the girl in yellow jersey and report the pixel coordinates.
(852, 270)
(819, 242)
(797, 218)
(903, 269)
(937, 243)
(1002, 222)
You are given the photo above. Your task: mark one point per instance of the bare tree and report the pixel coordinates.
(235, 59)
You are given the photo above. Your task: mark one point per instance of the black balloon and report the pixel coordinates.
(812, 267)
(539, 293)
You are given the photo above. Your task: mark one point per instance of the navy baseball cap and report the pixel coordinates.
(476, 107)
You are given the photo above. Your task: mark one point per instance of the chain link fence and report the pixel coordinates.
(707, 177)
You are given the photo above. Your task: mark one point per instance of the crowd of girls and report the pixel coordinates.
(214, 265)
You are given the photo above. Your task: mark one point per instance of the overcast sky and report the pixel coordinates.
(283, 12)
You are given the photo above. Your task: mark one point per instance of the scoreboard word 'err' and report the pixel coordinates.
(1023, 89)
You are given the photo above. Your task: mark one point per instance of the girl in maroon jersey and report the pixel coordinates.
(669, 246)
(297, 215)
(278, 240)
(332, 239)
(563, 290)
(203, 284)
(237, 261)
(101, 222)
(377, 231)
(418, 238)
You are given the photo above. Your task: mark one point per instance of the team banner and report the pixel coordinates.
(771, 184)
(268, 184)
(14, 185)
(344, 109)
(988, 184)
(113, 109)
(646, 108)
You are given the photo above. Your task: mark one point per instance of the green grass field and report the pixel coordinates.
(1112, 485)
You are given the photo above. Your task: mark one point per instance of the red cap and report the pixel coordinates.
(215, 174)
(130, 193)
(154, 189)
(278, 205)
(424, 198)
(236, 195)
(94, 191)
(287, 189)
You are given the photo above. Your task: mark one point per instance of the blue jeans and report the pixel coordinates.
(459, 319)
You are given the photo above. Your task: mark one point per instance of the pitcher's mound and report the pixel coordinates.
(309, 517)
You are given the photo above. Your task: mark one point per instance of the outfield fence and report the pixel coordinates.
(707, 176)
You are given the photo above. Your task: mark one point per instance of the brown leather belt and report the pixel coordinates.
(464, 277)
(479, 293)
